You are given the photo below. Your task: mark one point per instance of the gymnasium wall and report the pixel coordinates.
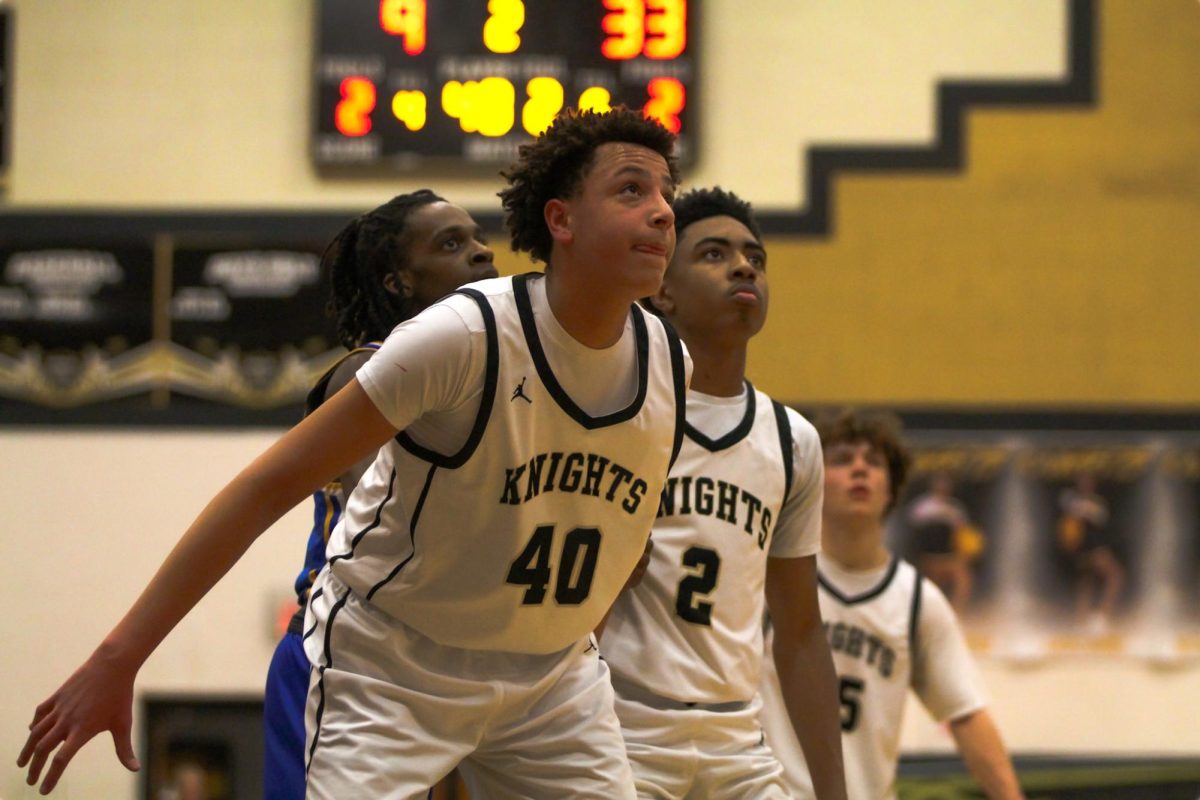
(1054, 267)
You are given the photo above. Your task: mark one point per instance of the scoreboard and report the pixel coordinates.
(399, 82)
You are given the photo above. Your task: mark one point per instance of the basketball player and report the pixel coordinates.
(488, 538)
(385, 266)
(1088, 544)
(740, 514)
(889, 628)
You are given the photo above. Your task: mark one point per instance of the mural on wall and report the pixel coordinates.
(1053, 543)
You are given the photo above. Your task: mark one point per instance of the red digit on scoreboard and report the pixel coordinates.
(406, 19)
(666, 28)
(665, 103)
(654, 28)
(352, 116)
(624, 25)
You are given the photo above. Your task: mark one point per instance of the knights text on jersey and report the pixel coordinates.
(701, 600)
(520, 541)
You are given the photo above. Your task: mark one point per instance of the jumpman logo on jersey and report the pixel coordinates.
(591, 646)
(520, 392)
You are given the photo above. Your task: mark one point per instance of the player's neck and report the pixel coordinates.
(855, 544)
(717, 369)
(595, 319)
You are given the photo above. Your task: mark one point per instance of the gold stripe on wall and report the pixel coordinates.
(1061, 267)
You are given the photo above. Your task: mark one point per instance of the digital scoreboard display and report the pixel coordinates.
(402, 81)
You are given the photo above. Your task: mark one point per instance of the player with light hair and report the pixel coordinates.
(889, 628)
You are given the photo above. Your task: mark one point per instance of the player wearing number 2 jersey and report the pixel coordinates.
(738, 524)
(889, 629)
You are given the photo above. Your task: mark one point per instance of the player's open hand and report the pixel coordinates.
(98, 697)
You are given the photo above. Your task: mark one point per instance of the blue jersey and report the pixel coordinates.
(328, 501)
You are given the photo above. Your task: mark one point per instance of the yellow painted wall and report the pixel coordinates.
(1062, 267)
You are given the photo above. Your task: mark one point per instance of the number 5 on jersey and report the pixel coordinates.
(576, 566)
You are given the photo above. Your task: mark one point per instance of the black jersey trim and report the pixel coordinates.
(870, 594)
(316, 395)
(491, 377)
(315, 595)
(412, 533)
(374, 523)
(679, 376)
(327, 651)
(564, 401)
(785, 446)
(914, 614)
(740, 432)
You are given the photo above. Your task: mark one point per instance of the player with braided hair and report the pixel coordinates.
(385, 266)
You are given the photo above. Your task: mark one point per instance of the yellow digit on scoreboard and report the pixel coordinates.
(545, 101)
(409, 108)
(595, 98)
(505, 18)
(486, 107)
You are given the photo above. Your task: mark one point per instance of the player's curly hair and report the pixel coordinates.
(701, 204)
(554, 164)
(359, 257)
(882, 430)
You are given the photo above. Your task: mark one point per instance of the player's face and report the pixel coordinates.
(717, 282)
(620, 220)
(446, 249)
(856, 481)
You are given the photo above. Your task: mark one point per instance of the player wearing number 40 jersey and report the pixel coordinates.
(452, 625)
(889, 628)
(738, 522)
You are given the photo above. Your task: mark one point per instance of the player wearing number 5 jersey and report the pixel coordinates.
(889, 629)
(738, 524)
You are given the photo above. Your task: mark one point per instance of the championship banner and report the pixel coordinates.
(77, 325)
(248, 326)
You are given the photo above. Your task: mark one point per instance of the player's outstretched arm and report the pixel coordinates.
(984, 753)
(806, 673)
(99, 695)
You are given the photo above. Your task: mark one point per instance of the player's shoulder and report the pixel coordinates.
(804, 433)
(465, 307)
(935, 607)
(490, 287)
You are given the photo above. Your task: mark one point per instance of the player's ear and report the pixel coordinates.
(557, 214)
(398, 282)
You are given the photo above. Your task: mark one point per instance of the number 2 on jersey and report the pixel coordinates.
(532, 568)
(702, 582)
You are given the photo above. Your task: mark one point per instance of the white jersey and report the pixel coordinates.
(888, 629)
(520, 540)
(691, 631)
